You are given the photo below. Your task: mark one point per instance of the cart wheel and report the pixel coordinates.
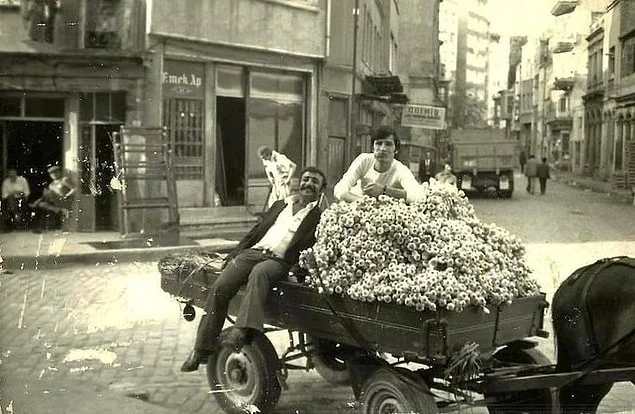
(505, 194)
(328, 362)
(385, 393)
(241, 380)
(531, 401)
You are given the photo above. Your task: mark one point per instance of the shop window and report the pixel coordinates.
(102, 106)
(11, 106)
(229, 81)
(276, 117)
(104, 24)
(44, 107)
(184, 120)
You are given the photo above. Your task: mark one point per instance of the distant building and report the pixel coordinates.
(69, 77)
(609, 103)
(469, 68)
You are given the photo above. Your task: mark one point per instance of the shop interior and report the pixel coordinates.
(230, 168)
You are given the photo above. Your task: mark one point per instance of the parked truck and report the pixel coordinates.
(482, 159)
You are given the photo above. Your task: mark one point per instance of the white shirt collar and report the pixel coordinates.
(293, 198)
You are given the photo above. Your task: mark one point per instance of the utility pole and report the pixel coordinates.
(350, 148)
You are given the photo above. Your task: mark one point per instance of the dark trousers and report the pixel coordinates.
(543, 185)
(13, 211)
(252, 267)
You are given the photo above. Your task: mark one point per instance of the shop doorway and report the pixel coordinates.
(31, 147)
(105, 198)
(230, 150)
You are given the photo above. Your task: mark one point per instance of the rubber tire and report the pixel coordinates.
(259, 362)
(505, 193)
(386, 391)
(326, 363)
(541, 400)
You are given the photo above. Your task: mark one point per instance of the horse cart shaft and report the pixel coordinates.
(557, 380)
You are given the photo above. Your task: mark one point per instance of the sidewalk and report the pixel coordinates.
(593, 184)
(54, 249)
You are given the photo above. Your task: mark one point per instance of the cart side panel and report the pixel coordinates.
(385, 327)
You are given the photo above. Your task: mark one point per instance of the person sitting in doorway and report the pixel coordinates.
(378, 173)
(57, 198)
(15, 191)
(264, 256)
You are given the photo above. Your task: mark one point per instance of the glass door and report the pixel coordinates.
(276, 118)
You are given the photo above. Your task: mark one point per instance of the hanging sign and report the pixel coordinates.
(423, 116)
(183, 79)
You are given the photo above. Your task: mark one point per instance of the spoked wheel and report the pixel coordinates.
(530, 401)
(246, 379)
(328, 361)
(386, 393)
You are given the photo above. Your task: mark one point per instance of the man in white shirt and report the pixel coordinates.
(264, 256)
(279, 170)
(378, 173)
(15, 191)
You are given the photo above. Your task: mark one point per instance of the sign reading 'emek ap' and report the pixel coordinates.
(183, 79)
(423, 116)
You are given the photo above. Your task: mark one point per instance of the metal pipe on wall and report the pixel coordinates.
(351, 102)
(327, 42)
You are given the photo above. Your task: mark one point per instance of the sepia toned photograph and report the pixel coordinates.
(317, 206)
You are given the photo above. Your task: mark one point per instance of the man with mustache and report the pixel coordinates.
(264, 256)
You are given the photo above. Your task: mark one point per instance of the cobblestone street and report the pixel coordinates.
(111, 325)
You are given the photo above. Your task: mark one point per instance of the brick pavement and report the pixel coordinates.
(137, 340)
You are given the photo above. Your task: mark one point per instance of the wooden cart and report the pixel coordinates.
(347, 342)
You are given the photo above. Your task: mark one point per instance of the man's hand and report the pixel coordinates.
(373, 189)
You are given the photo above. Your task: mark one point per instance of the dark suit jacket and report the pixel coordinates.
(425, 173)
(542, 170)
(303, 238)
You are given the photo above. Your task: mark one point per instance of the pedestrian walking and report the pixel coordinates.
(531, 171)
(542, 171)
(279, 169)
(522, 159)
(427, 168)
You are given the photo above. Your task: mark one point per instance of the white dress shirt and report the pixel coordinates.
(20, 185)
(279, 236)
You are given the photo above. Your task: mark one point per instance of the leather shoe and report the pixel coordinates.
(196, 358)
(234, 338)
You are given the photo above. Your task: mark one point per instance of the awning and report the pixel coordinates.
(385, 85)
(563, 7)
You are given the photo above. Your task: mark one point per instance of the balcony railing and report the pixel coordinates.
(563, 84)
(558, 118)
(564, 7)
(563, 47)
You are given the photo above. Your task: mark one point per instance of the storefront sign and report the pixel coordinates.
(183, 79)
(423, 116)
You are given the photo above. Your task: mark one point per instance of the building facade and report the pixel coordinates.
(224, 90)
(610, 101)
(396, 49)
(69, 78)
